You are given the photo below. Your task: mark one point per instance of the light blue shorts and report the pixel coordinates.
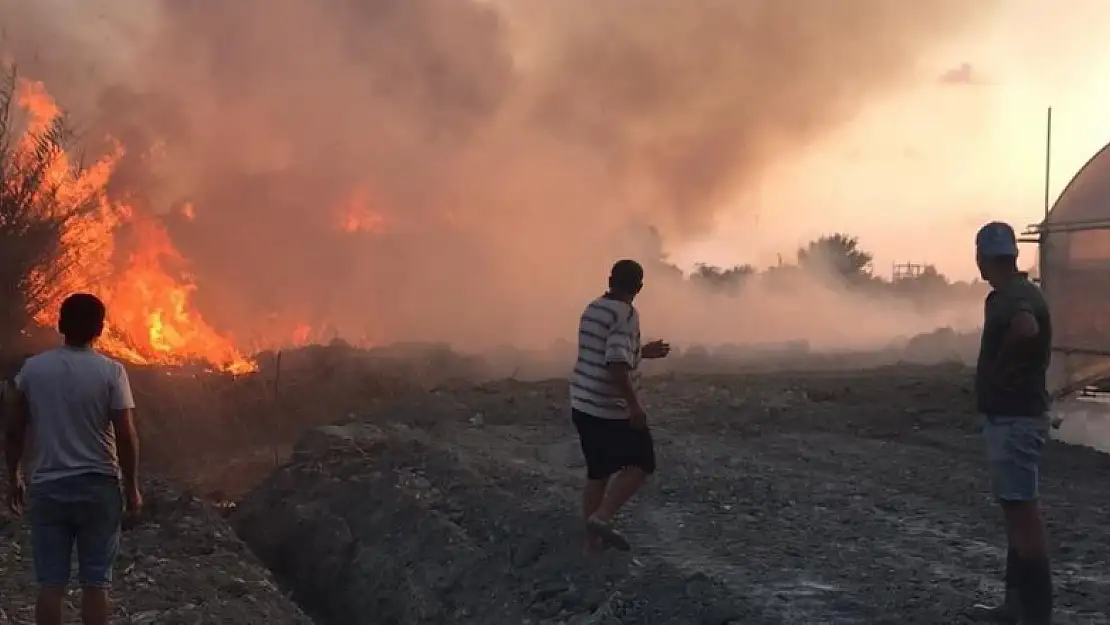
(83, 511)
(1014, 446)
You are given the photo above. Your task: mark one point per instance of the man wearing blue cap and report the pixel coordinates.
(1011, 393)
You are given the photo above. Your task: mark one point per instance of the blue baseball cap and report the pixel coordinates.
(996, 239)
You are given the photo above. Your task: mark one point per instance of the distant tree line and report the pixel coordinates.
(838, 260)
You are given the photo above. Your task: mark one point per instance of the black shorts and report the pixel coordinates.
(610, 445)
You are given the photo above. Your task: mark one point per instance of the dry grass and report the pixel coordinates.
(219, 434)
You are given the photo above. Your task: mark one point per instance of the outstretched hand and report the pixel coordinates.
(656, 349)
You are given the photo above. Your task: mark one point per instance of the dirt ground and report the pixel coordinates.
(181, 566)
(780, 498)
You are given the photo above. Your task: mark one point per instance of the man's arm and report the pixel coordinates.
(621, 373)
(127, 440)
(618, 360)
(1022, 329)
(655, 349)
(18, 416)
(127, 437)
(1023, 326)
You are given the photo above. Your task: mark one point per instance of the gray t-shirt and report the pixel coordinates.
(71, 393)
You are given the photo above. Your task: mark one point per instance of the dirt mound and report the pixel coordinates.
(181, 565)
(781, 498)
(943, 345)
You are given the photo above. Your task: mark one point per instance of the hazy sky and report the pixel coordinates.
(486, 137)
(915, 175)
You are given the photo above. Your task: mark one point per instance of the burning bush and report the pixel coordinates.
(61, 232)
(36, 207)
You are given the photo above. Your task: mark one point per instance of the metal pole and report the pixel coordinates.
(1041, 240)
(1047, 163)
(1067, 385)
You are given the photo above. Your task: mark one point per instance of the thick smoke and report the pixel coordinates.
(505, 153)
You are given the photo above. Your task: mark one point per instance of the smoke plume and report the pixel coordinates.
(465, 170)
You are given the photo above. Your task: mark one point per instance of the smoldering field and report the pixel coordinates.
(466, 171)
(393, 171)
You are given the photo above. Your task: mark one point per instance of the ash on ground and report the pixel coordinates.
(780, 498)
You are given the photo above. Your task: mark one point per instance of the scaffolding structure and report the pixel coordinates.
(907, 271)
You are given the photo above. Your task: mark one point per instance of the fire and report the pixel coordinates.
(301, 334)
(151, 316)
(153, 309)
(356, 214)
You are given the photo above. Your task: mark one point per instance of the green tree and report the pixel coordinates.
(720, 279)
(839, 254)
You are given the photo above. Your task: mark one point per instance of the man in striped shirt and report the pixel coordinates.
(605, 404)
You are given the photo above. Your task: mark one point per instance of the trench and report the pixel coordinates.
(225, 497)
(473, 544)
(479, 545)
(224, 485)
(325, 525)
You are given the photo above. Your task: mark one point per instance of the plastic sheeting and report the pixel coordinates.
(1075, 275)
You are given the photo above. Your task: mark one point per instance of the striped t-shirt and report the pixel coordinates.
(608, 332)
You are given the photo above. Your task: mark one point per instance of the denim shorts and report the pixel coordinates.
(1014, 446)
(83, 511)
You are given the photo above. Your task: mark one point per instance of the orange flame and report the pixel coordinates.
(301, 334)
(356, 214)
(151, 317)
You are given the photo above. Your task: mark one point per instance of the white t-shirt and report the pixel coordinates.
(71, 393)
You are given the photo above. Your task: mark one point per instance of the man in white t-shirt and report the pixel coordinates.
(77, 405)
(605, 404)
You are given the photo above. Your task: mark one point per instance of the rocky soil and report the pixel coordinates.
(781, 498)
(182, 565)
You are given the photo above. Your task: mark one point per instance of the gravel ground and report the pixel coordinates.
(781, 498)
(182, 565)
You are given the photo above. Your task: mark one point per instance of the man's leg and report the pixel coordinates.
(98, 536)
(48, 607)
(1009, 611)
(51, 545)
(95, 607)
(622, 487)
(1034, 570)
(591, 436)
(1014, 449)
(994, 438)
(592, 496)
(636, 452)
